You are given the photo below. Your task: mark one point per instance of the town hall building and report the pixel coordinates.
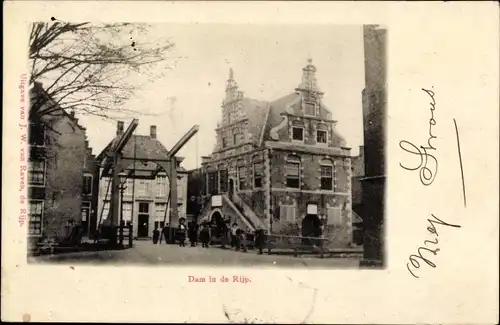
(276, 161)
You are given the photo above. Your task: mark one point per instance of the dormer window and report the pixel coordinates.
(310, 109)
(322, 134)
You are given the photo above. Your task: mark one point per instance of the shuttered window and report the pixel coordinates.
(287, 213)
(334, 216)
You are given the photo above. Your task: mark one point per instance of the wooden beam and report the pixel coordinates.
(148, 159)
(178, 146)
(118, 147)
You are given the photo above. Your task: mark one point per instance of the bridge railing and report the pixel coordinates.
(298, 244)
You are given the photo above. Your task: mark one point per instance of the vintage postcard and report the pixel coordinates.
(250, 162)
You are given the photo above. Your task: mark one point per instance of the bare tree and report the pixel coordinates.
(93, 69)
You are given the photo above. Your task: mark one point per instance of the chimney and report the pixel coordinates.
(152, 131)
(119, 128)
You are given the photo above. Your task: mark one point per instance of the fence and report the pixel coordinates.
(125, 235)
(298, 244)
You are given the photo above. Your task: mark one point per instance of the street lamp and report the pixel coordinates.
(122, 187)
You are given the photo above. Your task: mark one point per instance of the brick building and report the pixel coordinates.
(59, 164)
(374, 121)
(358, 173)
(145, 200)
(272, 159)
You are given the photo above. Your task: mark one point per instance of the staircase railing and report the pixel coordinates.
(247, 222)
(248, 212)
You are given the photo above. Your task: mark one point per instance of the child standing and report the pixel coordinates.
(241, 240)
(182, 233)
(204, 235)
(234, 238)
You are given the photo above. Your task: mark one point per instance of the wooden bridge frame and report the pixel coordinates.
(115, 163)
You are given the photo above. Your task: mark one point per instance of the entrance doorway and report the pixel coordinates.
(143, 220)
(311, 227)
(85, 216)
(217, 222)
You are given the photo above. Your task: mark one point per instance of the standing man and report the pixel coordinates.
(260, 240)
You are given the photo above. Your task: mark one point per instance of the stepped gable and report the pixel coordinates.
(37, 91)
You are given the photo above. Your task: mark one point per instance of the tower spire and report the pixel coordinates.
(231, 87)
(309, 81)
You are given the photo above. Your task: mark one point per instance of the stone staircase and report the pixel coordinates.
(247, 221)
(239, 208)
(245, 210)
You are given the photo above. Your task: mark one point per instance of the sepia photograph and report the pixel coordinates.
(206, 144)
(250, 162)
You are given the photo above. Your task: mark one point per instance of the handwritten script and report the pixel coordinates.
(416, 259)
(426, 163)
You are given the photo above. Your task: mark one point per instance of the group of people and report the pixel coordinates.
(236, 236)
(194, 233)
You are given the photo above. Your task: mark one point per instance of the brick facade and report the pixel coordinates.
(59, 158)
(261, 144)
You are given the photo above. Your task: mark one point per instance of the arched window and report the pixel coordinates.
(322, 134)
(297, 131)
(242, 174)
(258, 171)
(222, 178)
(235, 136)
(212, 188)
(327, 175)
(292, 172)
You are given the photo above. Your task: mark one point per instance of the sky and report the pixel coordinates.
(267, 61)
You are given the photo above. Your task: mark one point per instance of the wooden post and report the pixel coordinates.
(174, 212)
(115, 198)
(130, 235)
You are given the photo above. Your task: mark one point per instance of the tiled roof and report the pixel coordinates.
(144, 146)
(280, 106)
(262, 114)
(277, 107)
(256, 111)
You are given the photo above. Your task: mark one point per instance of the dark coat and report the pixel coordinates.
(205, 235)
(260, 238)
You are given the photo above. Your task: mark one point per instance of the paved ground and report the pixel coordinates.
(145, 252)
